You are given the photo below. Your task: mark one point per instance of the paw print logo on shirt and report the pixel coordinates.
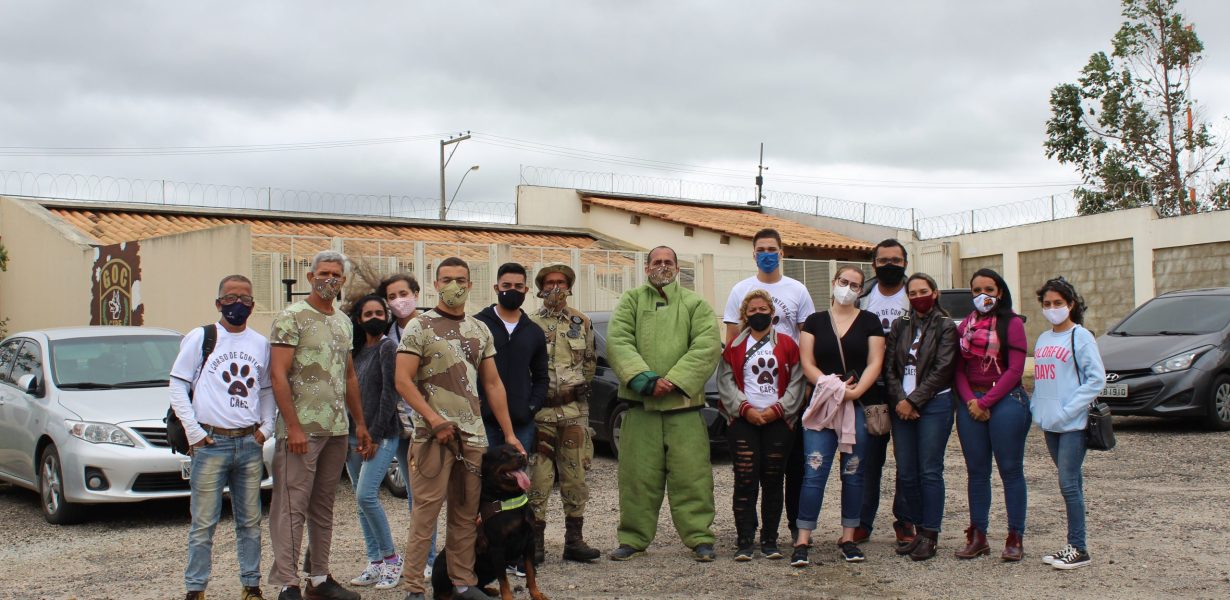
(239, 379)
(765, 370)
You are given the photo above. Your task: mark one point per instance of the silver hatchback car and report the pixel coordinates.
(81, 414)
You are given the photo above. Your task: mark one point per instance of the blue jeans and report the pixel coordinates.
(236, 462)
(366, 476)
(525, 434)
(919, 447)
(403, 447)
(1068, 453)
(1002, 437)
(818, 450)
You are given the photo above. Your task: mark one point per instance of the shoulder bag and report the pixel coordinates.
(875, 415)
(1099, 434)
(177, 438)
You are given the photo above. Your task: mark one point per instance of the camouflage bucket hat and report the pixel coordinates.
(569, 274)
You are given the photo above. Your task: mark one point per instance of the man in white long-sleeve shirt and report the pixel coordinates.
(227, 418)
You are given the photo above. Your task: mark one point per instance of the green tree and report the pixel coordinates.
(1123, 124)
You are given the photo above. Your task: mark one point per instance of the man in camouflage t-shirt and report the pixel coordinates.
(443, 357)
(314, 385)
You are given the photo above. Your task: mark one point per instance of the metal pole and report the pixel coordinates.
(164, 191)
(268, 198)
(444, 163)
(864, 212)
(760, 168)
(971, 221)
(1052, 207)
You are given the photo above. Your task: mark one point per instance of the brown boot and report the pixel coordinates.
(924, 544)
(907, 537)
(975, 544)
(575, 548)
(1013, 549)
(540, 542)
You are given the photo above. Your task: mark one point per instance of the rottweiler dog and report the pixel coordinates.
(505, 528)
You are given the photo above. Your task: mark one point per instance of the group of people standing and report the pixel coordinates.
(885, 363)
(434, 388)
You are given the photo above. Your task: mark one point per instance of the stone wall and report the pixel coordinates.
(1196, 266)
(969, 265)
(1102, 272)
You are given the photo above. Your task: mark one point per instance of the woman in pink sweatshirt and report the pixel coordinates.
(995, 416)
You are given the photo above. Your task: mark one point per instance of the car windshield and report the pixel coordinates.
(1178, 315)
(113, 361)
(957, 303)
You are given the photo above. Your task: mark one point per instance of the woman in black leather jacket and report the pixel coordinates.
(919, 361)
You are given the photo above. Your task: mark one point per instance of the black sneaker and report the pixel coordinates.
(744, 553)
(1049, 558)
(195, 595)
(329, 590)
(251, 592)
(1071, 558)
(799, 557)
(770, 550)
(851, 553)
(704, 553)
(290, 593)
(625, 552)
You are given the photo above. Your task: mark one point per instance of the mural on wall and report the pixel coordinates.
(116, 286)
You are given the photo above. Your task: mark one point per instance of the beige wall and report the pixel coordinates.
(972, 264)
(180, 275)
(1142, 226)
(1102, 272)
(48, 279)
(1186, 267)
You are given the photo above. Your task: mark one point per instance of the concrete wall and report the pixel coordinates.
(1102, 272)
(972, 264)
(47, 283)
(1146, 232)
(1196, 266)
(180, 275)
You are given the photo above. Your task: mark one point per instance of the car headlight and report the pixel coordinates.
(1180, 362)
(99, 433)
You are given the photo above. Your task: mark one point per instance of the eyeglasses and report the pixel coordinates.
(233, 298)
(890, 260)
(842, 281)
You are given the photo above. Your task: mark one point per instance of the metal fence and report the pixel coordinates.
(816, 275)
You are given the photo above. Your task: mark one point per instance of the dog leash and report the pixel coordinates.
(460, 456)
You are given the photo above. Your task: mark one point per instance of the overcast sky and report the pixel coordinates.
(850, 98)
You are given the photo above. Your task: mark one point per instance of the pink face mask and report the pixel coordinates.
(403, 307)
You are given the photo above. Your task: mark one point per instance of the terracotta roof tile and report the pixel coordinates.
(114, 226)
(734, 221)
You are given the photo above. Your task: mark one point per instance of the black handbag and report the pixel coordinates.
(177, 438)
(1099, 434)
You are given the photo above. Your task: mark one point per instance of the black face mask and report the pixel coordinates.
(375, 327)
(511, 299)
(890, 275)
(236, 313)
(760, 321)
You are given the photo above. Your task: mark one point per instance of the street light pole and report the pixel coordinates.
(463, 180)
(444, 163)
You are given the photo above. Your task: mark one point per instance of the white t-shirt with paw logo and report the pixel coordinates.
(760, 376)
(228, 392)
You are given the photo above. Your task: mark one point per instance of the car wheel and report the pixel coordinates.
(393, 481)
(1219, 404)
(56, 509)
(616, 425)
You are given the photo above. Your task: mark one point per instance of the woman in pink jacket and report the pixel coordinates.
(760, 381)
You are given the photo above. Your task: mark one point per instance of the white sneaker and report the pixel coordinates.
(427, 572)
(514, 571)
(391, 576)
(370, 575)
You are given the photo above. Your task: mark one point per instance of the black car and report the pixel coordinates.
(606, 410)
(1171, 358)
(958, 303)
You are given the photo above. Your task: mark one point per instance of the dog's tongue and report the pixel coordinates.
(523, 480)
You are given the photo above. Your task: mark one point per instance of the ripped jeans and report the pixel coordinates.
(818, 450)
(759, 459)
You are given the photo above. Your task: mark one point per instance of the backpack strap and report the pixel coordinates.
(208, 341)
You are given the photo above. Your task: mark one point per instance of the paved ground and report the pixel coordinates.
(1158, 527)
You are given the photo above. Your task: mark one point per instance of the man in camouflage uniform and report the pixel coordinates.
(563, 440)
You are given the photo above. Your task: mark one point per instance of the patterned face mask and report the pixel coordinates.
(554, 297)
(662, 276)
(453, 295)
(327, 287)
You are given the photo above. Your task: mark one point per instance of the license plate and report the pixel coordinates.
(185, 468)
(1114, 390)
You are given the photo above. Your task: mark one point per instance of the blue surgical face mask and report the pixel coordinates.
(768, 261)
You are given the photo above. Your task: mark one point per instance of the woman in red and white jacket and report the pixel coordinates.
(760, 381)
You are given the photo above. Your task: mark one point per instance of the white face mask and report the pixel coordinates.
(1056, 315)
(843, 295)
(984, 303)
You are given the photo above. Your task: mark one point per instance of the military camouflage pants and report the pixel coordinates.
(563, 443)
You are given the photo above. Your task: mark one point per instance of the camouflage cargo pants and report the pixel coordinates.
(563, 444)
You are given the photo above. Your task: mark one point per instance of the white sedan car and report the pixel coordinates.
(81, 417)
